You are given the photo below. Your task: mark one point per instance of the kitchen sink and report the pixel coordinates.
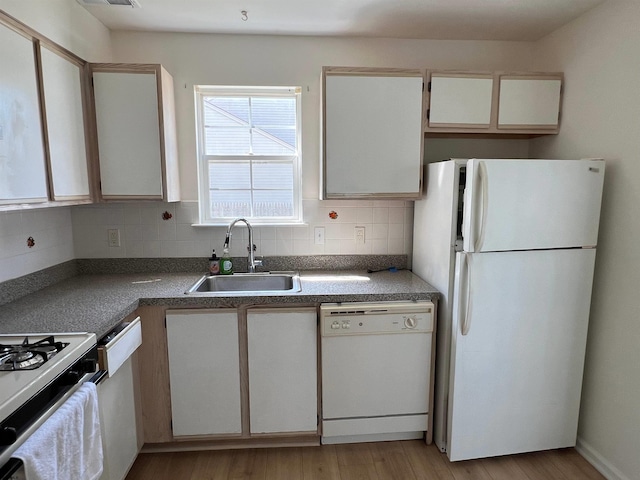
(246, 283)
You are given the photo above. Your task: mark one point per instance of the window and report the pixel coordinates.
(249, 154)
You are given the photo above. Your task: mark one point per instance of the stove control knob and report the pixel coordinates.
(72, 377)
(410, 322)
(8, 436)
(88, 365)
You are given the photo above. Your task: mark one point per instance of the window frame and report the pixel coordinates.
(203, 160)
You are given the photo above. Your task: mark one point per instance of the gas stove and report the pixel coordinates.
(36, 372)
(29, 355)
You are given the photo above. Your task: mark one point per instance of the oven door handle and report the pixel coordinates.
(8, 469)
(97, 378)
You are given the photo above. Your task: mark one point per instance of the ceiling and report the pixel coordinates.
(429, 19)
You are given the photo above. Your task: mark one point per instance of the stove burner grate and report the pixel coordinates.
(28, 356)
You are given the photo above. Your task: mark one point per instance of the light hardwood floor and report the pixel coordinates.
(406, 460)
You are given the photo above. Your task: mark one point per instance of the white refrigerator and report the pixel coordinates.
(511, 245)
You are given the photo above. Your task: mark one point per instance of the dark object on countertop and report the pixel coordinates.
(390, 269)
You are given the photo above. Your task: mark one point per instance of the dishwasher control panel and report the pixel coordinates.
(376, 318)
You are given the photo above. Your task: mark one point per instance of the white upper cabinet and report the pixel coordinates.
(371, 133)
(462, 100)
(63, 100)
(529, 102)
(23, 177)
(136, 133)
(496, 103)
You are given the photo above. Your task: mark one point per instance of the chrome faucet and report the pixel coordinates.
(252, 261)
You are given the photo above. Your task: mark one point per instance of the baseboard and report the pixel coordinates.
(598, 461)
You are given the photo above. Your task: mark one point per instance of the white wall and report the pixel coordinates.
(600, 56)
(194, 59)
(67, 23)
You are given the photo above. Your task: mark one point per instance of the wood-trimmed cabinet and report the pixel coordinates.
(242, 373)
(283, 382)
(372, 133)
(135, 131)
(44, 157)
(493, 103)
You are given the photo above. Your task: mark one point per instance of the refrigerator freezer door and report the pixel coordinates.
(516, 375)
(531, 204)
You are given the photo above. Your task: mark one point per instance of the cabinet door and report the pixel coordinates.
(528, 102)
(117, 402)
(65, 126)
(372, 133)
(460, 100)
(283, 393)
(22, 161)
(128, 127)
(204, 372)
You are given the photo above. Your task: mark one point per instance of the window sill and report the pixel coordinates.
(253, 224)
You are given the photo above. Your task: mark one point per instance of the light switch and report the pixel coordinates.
(318, 235)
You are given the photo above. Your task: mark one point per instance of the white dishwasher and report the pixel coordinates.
(376, 370)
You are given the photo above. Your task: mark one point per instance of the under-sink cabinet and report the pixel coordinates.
(242, 372)
(204, 372)
(282, 351)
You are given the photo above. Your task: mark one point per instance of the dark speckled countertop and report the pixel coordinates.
(96, 303)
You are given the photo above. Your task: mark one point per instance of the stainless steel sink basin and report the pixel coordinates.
(247, 284)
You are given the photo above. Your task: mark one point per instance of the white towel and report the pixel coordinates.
(68, 445)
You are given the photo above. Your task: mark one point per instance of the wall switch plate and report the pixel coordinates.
(318, 235)
(359, 235)
(113, 234)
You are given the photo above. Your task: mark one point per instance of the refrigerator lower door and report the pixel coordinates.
(519, 335)
(531, 204)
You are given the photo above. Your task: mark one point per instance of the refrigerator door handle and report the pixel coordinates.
(484, 204)
(465, 325)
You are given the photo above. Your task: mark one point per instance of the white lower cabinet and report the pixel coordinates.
(283, 385)
(116, 397)
(207, 355)
(204, 372)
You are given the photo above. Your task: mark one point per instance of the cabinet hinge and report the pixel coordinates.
(165, 322)
(429, 87)
(428, 112)
(171, 425)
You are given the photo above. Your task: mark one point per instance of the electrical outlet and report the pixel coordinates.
(359, 235)
(318, 235)
(113, 234)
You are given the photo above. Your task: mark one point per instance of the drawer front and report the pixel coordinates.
(112, 355)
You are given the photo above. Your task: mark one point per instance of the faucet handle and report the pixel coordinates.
(258, 262)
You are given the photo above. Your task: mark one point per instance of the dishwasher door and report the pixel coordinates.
(376, 368)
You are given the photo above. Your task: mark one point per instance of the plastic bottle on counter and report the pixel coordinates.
(226, 264)
(214, 264)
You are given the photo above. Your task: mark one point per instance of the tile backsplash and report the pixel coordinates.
(52, 244)
(166, 230)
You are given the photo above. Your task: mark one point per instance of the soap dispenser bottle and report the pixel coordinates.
(226, 264)
(214, 264)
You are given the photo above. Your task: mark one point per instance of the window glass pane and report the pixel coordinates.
(229, 175)
(227, 109)
(226, 141)
(275, 176)
(273, 203)
(269, 111)
(265, 144)
(230, 203)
